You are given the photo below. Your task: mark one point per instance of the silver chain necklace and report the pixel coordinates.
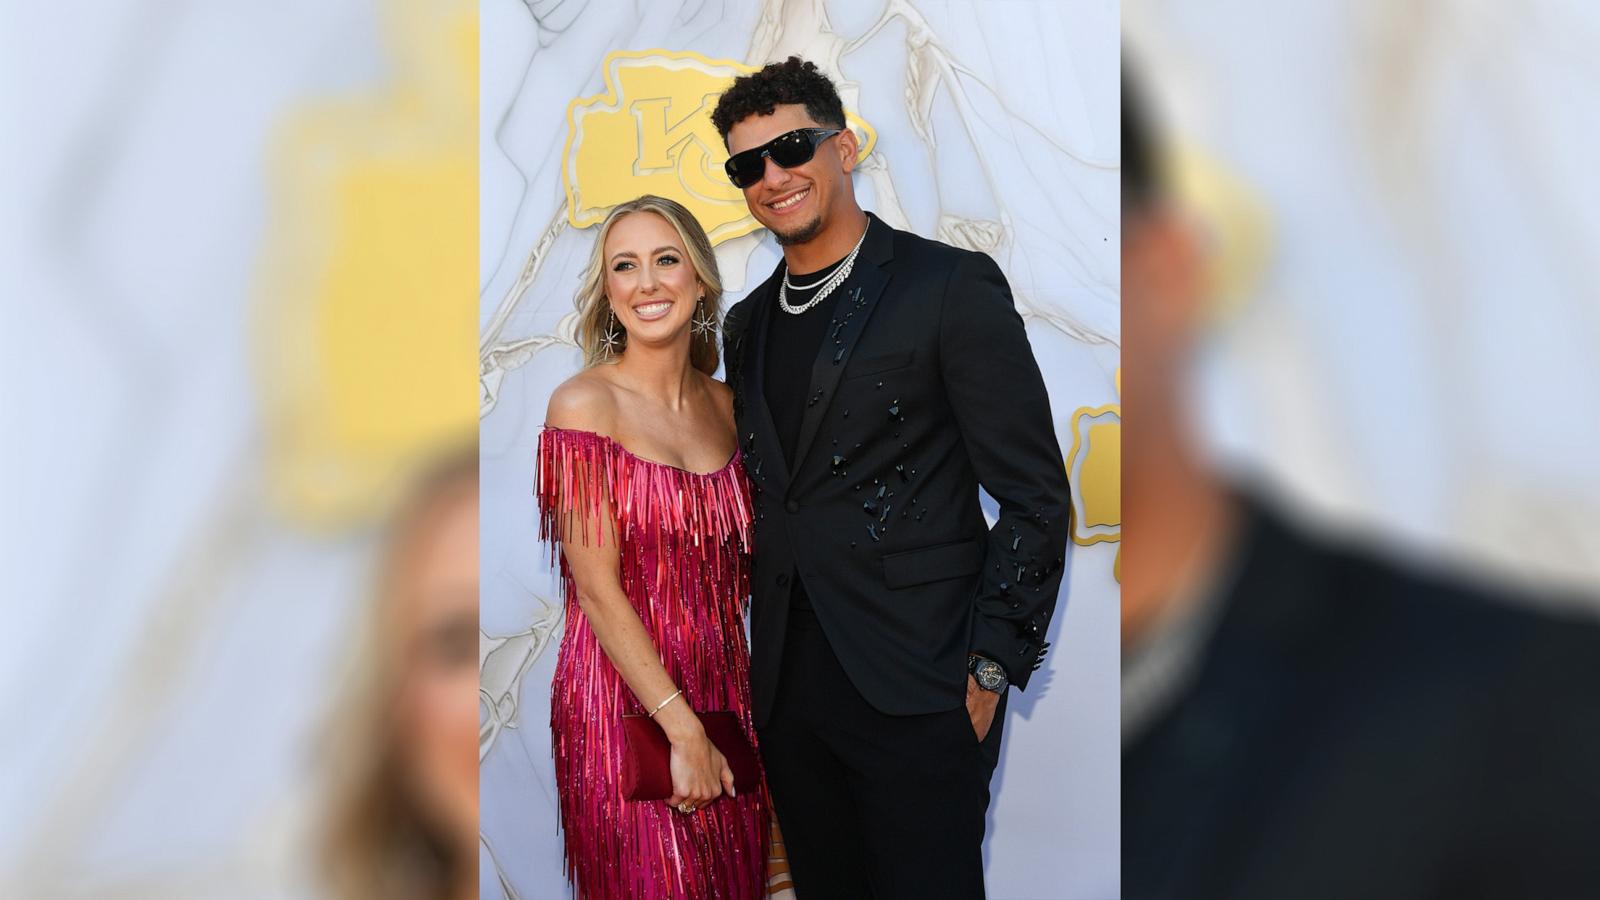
(803, 287)
(828, 286)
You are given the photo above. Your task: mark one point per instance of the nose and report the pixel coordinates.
(647, 278)
(774, 174)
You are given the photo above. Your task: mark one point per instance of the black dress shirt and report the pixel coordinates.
(793, 348)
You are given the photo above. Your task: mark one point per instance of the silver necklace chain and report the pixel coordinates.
(828, 285)
(804, 287)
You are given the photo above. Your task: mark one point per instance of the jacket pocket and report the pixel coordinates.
(928, 564)
(877, 365)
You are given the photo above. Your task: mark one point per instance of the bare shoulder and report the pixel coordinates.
(587, 401)
(721, 391)
(722, 395)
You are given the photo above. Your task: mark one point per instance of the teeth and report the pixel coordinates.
(651, 309)
(785, 204)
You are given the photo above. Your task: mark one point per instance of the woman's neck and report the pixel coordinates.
(662, 373)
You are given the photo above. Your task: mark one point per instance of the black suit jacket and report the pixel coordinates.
(1358, 729)
(924, 388)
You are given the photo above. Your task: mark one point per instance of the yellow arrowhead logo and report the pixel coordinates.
(650, 132)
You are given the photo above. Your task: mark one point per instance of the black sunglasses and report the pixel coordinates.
(794, 148)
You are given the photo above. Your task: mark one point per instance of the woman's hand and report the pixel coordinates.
(700, 774)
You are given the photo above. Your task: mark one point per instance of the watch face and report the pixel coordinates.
(990, 676)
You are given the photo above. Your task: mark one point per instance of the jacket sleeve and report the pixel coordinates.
(1000, 404)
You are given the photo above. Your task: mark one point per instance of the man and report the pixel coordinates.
(1302, 717)
(879, 379)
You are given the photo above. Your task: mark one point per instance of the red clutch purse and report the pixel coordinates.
(647, 755)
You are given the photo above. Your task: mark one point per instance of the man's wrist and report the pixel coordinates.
(989, 674)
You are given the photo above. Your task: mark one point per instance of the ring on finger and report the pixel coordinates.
(686, 807)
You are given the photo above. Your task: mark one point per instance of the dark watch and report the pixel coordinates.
(989, 675)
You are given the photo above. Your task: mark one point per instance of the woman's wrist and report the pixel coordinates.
(662, 705)
(680, 723)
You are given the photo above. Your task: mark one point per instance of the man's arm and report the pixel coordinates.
(999, 399)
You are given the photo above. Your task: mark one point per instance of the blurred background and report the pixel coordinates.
(239, 248)
(1361, 593)
(1405, 328)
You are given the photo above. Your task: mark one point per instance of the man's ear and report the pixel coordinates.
(849, 147)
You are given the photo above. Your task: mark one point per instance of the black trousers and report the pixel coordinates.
(872, 805)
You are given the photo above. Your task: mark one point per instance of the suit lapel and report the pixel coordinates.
(849, 320)
(755, 385)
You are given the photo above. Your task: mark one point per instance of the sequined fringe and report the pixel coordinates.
(684, 541)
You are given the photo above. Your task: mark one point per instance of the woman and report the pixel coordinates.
(403, 775)
(643, 493)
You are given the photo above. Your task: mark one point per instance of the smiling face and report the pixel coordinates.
(797, 204)
(650, 281)
(434, 637)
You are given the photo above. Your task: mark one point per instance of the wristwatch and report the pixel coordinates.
(990, 675)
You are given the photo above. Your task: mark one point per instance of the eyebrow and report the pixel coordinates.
(632, 255)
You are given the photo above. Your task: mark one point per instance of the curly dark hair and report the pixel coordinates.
(1141, 176)
(792, 81)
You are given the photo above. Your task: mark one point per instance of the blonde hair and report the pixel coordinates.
(378, 842)
(594, 309)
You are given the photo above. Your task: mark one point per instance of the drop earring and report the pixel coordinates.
(611, 340)
(704, 325)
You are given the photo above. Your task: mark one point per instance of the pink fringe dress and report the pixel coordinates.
(684, 540)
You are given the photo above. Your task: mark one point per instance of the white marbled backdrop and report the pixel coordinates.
(996, 126)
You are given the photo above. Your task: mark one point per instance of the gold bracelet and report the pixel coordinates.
(662, 704)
